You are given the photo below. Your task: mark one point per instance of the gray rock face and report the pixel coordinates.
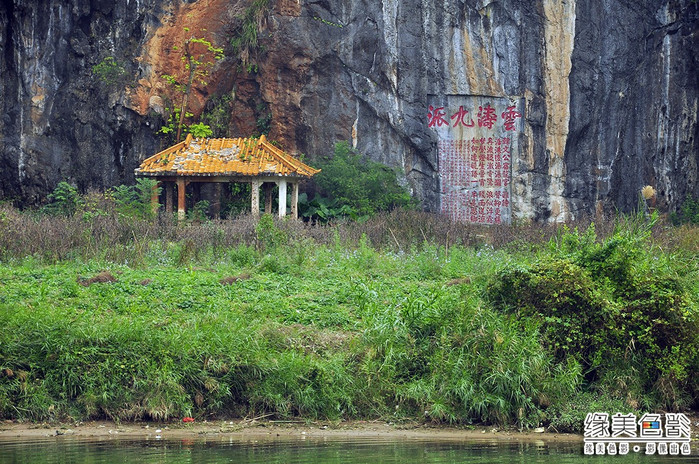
(59, 122)
(610, 90)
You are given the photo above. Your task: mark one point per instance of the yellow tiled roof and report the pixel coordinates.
(224, 157)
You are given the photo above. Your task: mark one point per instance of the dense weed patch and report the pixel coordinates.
(626, 311)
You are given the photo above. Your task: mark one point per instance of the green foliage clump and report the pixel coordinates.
(135, 200)
(613, 306)
(110, 72)
(64, 200)
(360, 186)
(323, 208)
(264, 121)
(245, 36)
(200, 130)
(555, 291)
(169, 129)
(217, 114)
(269, 236)
(688, 213)
(199, 211)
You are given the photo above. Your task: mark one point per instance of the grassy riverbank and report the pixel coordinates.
(403, 317)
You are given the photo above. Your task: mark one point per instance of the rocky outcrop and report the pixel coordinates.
(58, 121)
(610, 90)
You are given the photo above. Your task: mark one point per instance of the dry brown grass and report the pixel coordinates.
(101, 278)
(232, 279)
(307, 338)
(124, 239)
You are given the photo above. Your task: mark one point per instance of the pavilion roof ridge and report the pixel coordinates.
(287, 159)
(240, 156)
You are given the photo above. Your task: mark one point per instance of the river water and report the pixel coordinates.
(305, 451)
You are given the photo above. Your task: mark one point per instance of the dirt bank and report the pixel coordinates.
(243, 429)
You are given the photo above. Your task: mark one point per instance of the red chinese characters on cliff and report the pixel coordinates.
(435, 117)
(509, 117)
(475, 156)
(487, 117)
(460, 117)
(475, 179)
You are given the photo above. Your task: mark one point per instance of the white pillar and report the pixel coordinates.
(255, 198)
(282, 198)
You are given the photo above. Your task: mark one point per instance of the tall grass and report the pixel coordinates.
(101, 231)
(341, 333)
(385, 318)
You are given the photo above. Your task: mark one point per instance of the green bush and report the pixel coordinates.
(365, 187)
(244, 39)
(64, 200)
(200, 130)
(562, 296)
(135, 200)
(269, 236)
(688, 213)
(324, 209)
(110, 72)
(199, 212)
(217, 114)
(604, 301)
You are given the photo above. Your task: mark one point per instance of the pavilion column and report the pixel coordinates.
(216, 206)
(168, 197)
(255, 197)
(282, 198)
(180, 198)
(295, 200)
(154, 197)
(267, 187)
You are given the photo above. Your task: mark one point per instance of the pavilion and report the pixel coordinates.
(250, 160)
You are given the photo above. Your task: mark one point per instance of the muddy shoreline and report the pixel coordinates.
(245, 429)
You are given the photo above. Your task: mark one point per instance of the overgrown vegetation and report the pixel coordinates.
(217, 115)
(404, 316)
(351, 185)
(617, 306)
(134, 201)
(688, 213)
(64, 200)
(110, 72)
(245, 35)
(198, 56)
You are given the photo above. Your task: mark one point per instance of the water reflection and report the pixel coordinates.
(302, 451)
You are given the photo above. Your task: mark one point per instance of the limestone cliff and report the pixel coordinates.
(610, 89)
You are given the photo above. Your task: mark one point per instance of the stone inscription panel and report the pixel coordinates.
(478, 138)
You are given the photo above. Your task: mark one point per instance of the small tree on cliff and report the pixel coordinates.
(198, 57)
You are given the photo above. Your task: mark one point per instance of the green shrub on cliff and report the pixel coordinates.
(245, 34)
(110, 72)
(688, 213)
